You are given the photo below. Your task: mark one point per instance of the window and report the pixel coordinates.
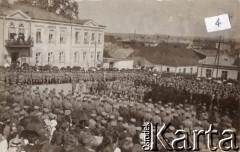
(191, 70)
(180, 70)
(168, 70)
(51, 36)
(61, 57)
(92, 55)
(62, 36)
(76, 56)
(77, 37)
(224, 75)
(208, 73)
(38, 58)
(86, 38)
(11, 31)
(50, 58)
(99, 38)
(184, 70)
(21, 32)
(93, 38)
(39, 36)
(84, 56)
(98, 56)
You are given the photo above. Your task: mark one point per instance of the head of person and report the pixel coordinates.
(109, 142)
(126, 146)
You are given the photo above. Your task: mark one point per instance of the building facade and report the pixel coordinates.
(225, 69)
(190, 69)
(38, 37)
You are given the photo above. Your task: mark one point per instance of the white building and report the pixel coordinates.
(171, 57)
(225, 68)
(38, 37)
(117, 63)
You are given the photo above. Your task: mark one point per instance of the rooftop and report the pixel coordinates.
(168, 54)
(41, 14)
(224, 60)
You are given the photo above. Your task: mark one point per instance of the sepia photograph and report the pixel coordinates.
(119, 75)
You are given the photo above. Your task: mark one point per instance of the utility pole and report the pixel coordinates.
(218, 52)
(217, 57)
(95, 53)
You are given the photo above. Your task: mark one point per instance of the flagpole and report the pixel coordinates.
(218, 52)
(95, 53)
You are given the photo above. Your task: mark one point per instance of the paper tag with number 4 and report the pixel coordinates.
(217, 23)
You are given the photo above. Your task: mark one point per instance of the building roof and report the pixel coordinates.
(237, 62)
(41, 14)
(209, 52)
(140, 61)
(224, 60)
(109, 60)
(168, 54)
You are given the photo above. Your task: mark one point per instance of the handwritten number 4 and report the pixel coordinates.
(218, 22)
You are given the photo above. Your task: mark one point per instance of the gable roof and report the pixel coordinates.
(237, 62)
(209, 52)
(224, 60)
(168, 54)
(41, 14)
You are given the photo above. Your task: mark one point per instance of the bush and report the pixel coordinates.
(63, 68)
(76, 68)
(68, 68)
(46, 68)
(25, 65)
(55, 68)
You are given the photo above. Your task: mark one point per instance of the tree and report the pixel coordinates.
(4, 3)
(67, 8)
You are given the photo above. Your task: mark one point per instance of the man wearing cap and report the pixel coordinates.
(67, 116)
(187, 122)
(28, 100)
(56, 103)
(132, 129)
(67, 105)
(37, 101)
(168, 118)
(19, 98)
(45, 113)
(119, 126)
(156, 119)
(35, 111)
(47, 103)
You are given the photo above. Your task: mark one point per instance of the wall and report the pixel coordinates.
(44, 47)
(187, 69)
(128, 64)
(176, 69)
(232, 74)
(24, 53)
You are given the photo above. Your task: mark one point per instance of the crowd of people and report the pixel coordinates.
(105, 111)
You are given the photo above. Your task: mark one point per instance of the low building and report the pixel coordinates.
(167, 57)
(225, 67)
(117, 63)
(38, 37)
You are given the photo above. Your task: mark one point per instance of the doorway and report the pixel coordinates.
(14, 57)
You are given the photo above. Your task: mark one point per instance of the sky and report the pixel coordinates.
(165, 17)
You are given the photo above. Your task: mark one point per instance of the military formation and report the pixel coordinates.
(105, 110)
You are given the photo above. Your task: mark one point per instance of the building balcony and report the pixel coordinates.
(19, 44)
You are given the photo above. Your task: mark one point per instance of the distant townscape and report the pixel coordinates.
(205, 57)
